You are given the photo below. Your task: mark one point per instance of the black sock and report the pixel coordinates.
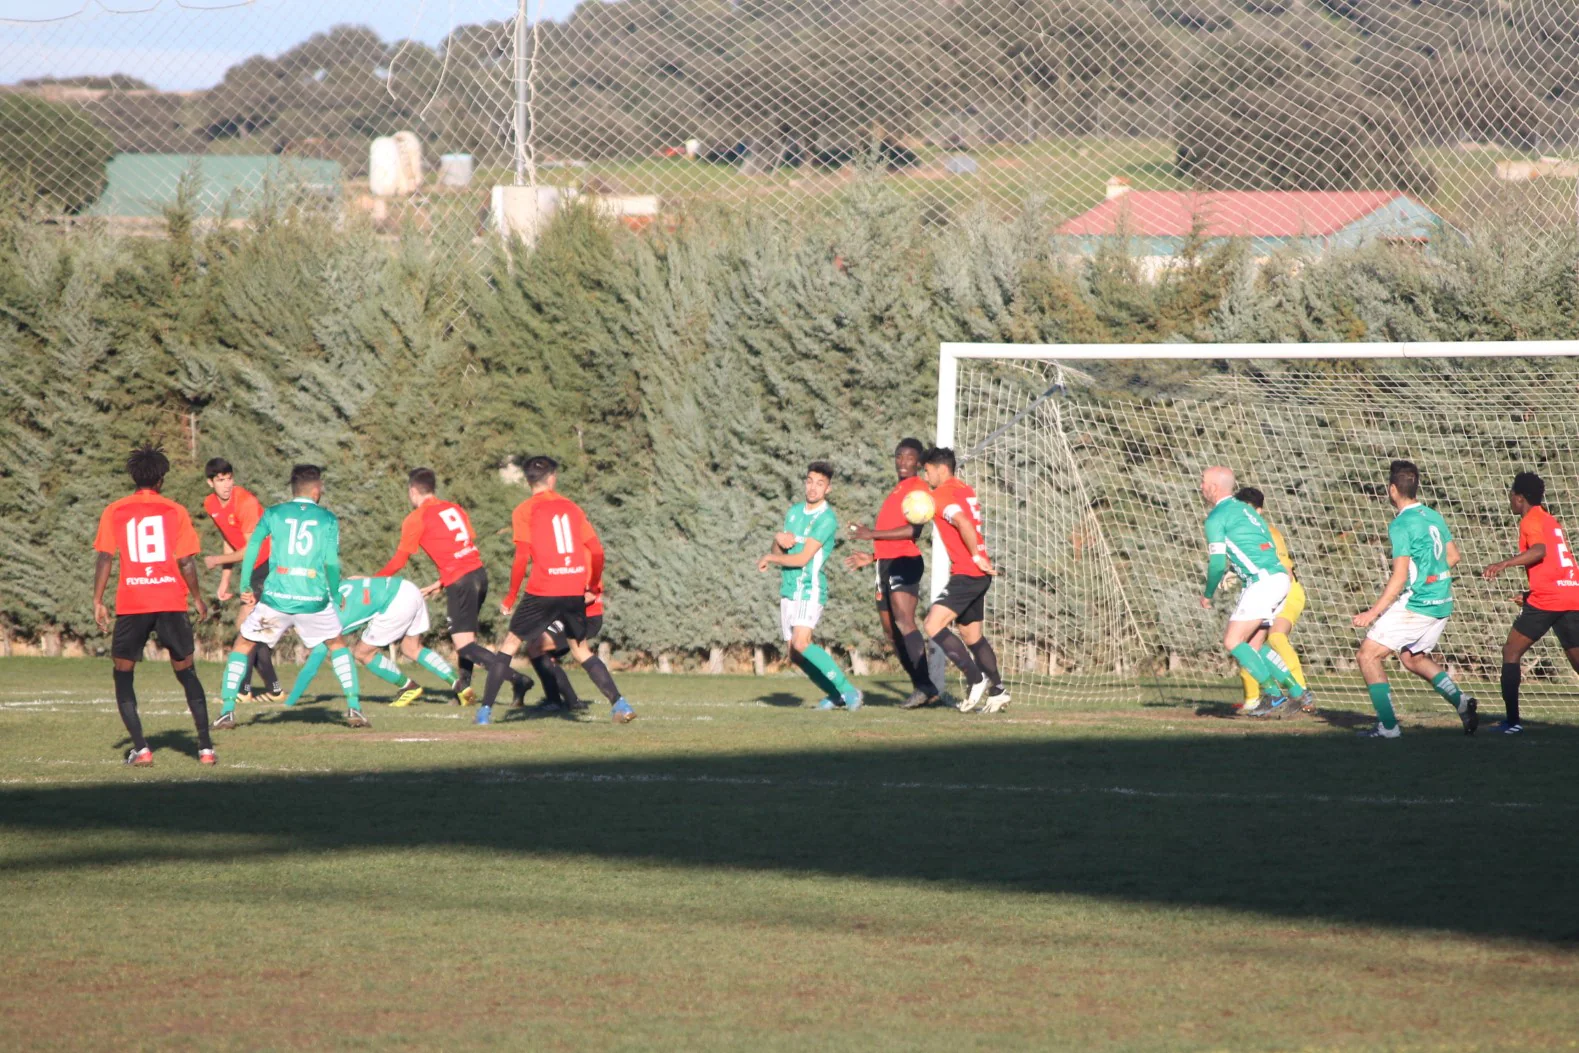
(1511, 675)
(197, 702)
(126, 702)
(463, 675)
(474, 654)
(263, 662)
(498, 672)
(954, 647)
(914, 649)
(987, 659)
(544, 666)
(601, 676)
(567, 693)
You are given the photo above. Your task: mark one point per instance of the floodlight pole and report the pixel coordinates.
(520, 93)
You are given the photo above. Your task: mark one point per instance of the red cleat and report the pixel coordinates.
(206, 757)
(143, 758)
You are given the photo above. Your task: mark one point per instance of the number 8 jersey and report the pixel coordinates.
(150, 533)
(1421, 534)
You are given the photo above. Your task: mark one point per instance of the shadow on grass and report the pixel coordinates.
(1434, 831)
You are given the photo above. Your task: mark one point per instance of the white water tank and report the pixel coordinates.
(383, 167)
(410, 148)
(455, 170)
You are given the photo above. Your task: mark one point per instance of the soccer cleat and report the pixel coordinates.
(828, 703)
(466, 696)
(918, 700)
(207, 757)
(1379, 732)
(1245, 708)
(1505, 727)
(1307, 701)
(853, 700)
(244, 696)
(622, 712)
(998, 701)
(274, 697)
(407, 696)
(224, 720)
(355, 718)
(140, 758)
(521, 686)
(484, 715)
(1470, 714)
(978, 691)
(1275, 707)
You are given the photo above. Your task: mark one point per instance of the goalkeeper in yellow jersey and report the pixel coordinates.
(1276, 635)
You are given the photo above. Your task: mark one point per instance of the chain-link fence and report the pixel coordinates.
(1247, 117)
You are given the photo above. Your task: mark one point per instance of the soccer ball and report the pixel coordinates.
(918, 507)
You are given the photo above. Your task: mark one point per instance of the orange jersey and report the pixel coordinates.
(892, 515)
(954, 499)
(443, 530)
(595, 585)
(149, 532)
(1554, 581)
(553, 534)
(236, 520)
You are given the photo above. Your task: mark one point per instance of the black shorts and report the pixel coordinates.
(966, 596)
(1536, 623)
(536, 615)
(260, 574)
(556, 632)
(464, 599)
(900, 574)
(173, 628)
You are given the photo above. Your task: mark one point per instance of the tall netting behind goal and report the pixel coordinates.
(1088, 474)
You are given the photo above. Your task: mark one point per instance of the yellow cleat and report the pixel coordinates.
(274, 697)
(466, 696)
(408, 696)
(244, 697)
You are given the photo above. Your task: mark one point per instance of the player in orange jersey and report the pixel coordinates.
(964, 599)
(553, 537)
(152, 536)
(235, 512)
(443, 531)
(1552, 600)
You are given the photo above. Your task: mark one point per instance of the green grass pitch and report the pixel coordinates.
(736, 870)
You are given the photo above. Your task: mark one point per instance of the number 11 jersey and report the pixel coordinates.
(150, 533)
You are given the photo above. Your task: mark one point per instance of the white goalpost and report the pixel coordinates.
(1087, 459)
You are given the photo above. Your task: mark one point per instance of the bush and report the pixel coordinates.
(53, 150)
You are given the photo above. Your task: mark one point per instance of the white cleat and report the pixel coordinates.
(1379, 732)
(978, 691)
(997, 702)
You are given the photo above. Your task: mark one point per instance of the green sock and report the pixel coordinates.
(1256, 666)
(1382, 699)
(235, 671)
(1447, 689)
(434, 663)
(304, 678)
(345, 670)
(824, 663)
(1280, 670)
(380, 666)
(815, 675)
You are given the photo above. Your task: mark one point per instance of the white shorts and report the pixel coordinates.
(265, 625)
(793, 613)
(1401, 629)
(406, 615)
(1259, 601)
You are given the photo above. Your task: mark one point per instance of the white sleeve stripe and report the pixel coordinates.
(1217, 548)
(950, 512)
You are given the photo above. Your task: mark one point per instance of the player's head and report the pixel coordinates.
(221, 477)
(421, 484)
(1252, 497)
(907, 457)
(307, 481)
(147, 465)
(1527, 492)
(819, 477)
(542, 473)
(1217, 483)
(938, 465)
(1403, 482)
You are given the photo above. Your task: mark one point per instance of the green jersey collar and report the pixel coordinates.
(306, 499)
(1407, 507)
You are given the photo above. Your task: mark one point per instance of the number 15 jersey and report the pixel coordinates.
(150, 533)
(304, 559)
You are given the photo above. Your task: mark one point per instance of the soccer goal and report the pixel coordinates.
(1087, 459)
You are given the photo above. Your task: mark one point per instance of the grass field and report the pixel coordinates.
(736, 870)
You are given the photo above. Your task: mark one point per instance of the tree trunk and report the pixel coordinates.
(759, 662)
(605, 651)
(664, 665)
(715, 661)
(858, 664)
(49, 643)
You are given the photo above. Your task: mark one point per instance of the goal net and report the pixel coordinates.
(1088, 459)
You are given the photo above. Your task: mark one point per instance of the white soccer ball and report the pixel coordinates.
(918, 507)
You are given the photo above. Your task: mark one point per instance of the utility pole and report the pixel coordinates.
(520, 94)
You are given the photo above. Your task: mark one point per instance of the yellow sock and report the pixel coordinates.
(1285, 650)
(1252, 689)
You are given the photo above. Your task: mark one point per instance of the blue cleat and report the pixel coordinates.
(1504, 727)
(622, 712)
(828, 703)
(852, 700)
(484, 715)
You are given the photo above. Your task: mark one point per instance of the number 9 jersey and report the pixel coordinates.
(150, 533)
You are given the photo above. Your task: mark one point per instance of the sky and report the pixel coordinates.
(181, 45)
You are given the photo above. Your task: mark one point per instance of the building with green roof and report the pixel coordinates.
(142, 186)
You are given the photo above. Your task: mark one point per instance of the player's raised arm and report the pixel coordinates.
(969, 535)
(410, 541)
(522, 536)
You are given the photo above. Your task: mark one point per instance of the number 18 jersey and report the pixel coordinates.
(150, 533)
(1421, 534)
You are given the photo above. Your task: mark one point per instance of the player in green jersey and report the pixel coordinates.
(801, 551)
(1237, 539)
(1414, 607)
(299, 593)
(386, 610)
